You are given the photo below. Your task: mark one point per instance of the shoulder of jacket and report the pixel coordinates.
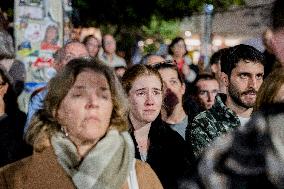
(203, 116)
(13, 167)
(147, 178)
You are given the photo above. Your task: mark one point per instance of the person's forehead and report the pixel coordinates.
(210, 83)
(76, 48)
(154, 59)
(92, 40)
(146, 81)
(91, 77)
(168, 73)
(108, 38)
(247, 65)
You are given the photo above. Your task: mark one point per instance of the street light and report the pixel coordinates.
(208, 10)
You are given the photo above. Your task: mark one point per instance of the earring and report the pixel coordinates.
(64, 132)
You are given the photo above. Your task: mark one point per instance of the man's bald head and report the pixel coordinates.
(70, 51)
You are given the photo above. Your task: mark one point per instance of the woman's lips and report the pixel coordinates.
(149, 110)
(92, 118)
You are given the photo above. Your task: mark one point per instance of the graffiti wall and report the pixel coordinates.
(38, 34)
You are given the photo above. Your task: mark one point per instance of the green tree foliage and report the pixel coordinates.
(129, 20)
(140, 12)
(161, 29)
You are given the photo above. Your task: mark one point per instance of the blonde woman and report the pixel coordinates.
(80, 138)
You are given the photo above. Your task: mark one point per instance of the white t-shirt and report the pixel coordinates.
(243, 120)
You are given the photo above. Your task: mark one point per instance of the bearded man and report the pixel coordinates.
(242, 69)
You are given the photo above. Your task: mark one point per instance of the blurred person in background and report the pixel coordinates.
(172, 112)
(119, 71)
(80, 137)
(273, 39)
(215, 66)
(250, 157)
(15, 68)
(151, 59)
(12, 120)
(206, 87)
(109, 55)
(92, 44)
(271, 90)
(71, 50)
(178, 52)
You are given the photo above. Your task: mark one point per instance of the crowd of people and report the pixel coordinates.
(101, 122)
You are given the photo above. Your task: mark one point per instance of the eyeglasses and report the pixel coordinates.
(164, 64)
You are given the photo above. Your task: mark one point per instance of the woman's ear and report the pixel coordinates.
(54, 113)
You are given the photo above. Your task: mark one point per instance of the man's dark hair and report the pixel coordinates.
(277, 15)
(202, 76)
(237, 53)
(216, 57)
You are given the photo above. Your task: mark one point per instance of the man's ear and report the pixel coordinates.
(268, 40)
(225, 79)
(183, 88)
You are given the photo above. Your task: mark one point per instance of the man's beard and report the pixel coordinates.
(236, 95)
(170, 102)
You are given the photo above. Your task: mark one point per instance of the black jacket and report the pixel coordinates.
(12, 145)
(167, 153)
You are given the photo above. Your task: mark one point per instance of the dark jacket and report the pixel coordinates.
(167, 153)
(12, 145)
(249, 157)
(42, 170)
(211, 124)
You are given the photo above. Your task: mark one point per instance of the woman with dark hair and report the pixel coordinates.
(177, 51)
(12, 120)
(80, 137)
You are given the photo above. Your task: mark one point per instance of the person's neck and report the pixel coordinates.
(176, 116)
(83, 147)
(177, 58)
(239, 110)
(109, 56)
(138, 124)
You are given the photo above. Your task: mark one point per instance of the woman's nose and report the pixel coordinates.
(92, 101)
(149, 99)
